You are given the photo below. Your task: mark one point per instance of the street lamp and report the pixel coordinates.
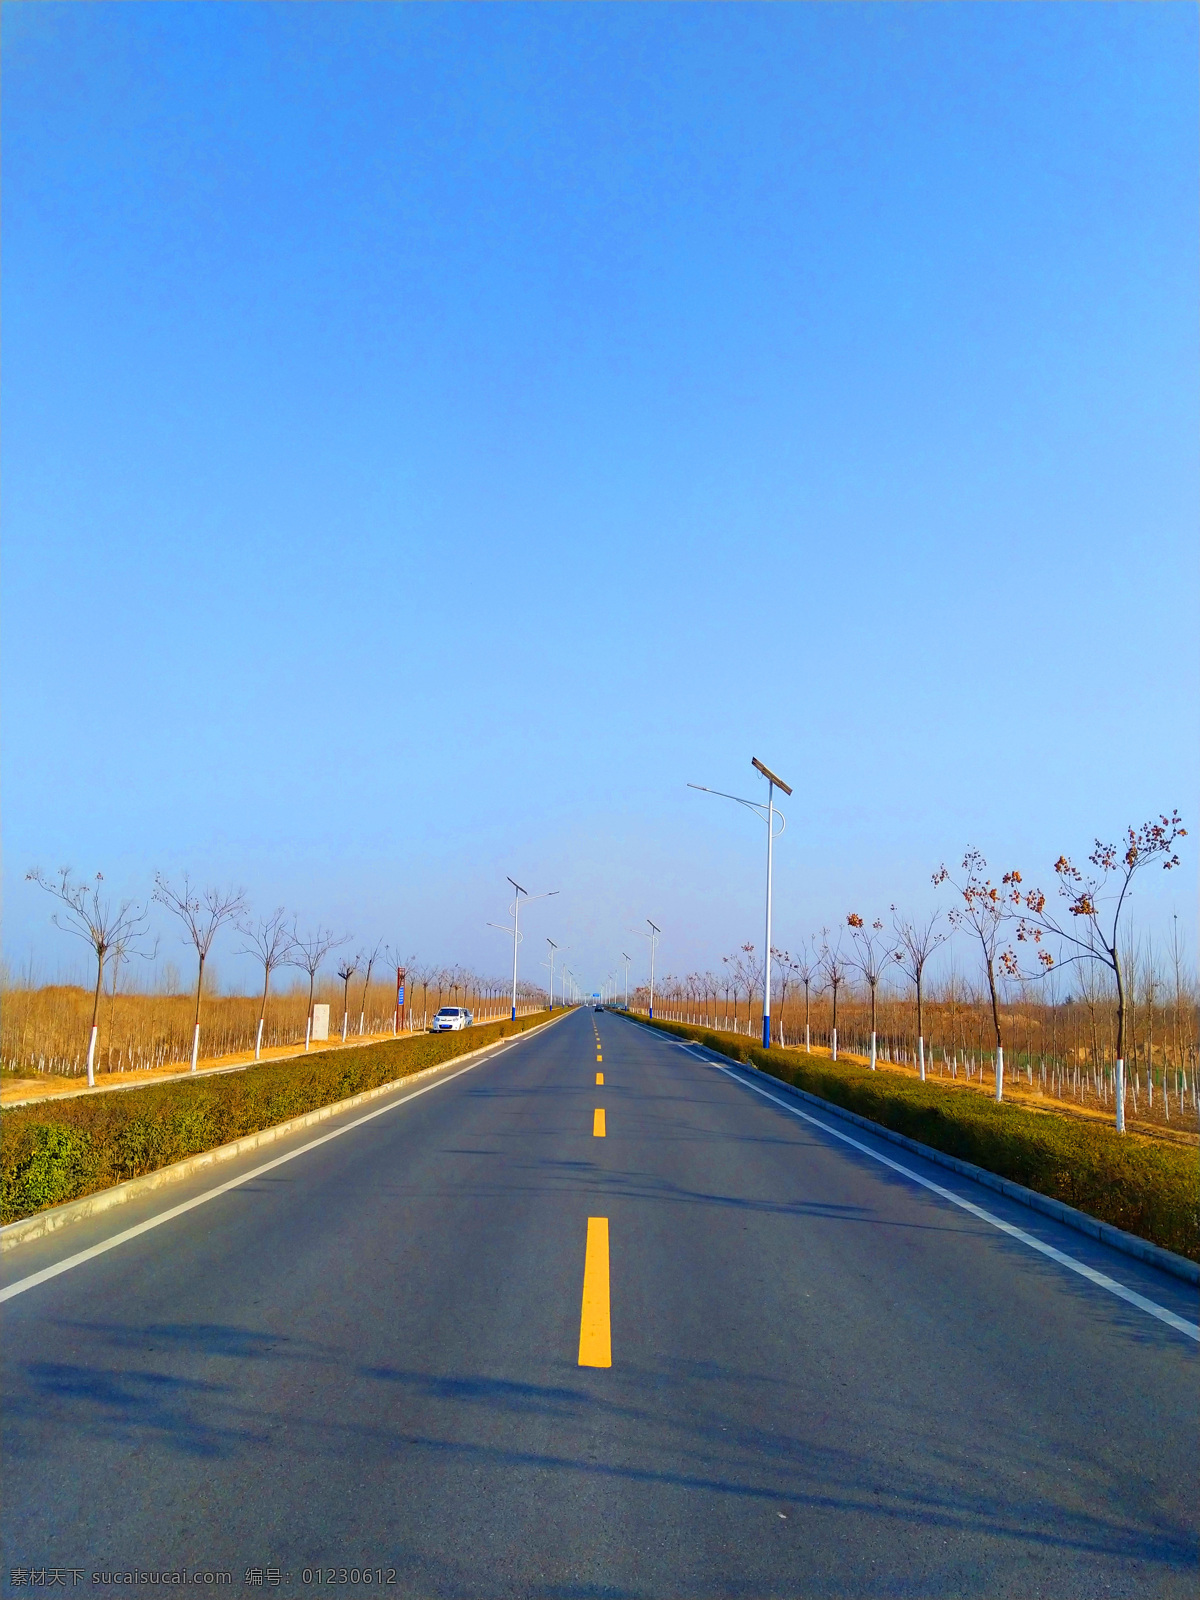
(768, 814)
(626, 959)
(515, 930)
(553, 948)
(653, 938)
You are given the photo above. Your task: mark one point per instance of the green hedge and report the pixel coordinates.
(1136, 1183)
(59, 1151)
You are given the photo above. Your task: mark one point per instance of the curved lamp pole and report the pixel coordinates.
(553, 948)
(515, 930)
(768, 813)
(653, 938)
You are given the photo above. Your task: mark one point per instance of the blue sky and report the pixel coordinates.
(435, 434)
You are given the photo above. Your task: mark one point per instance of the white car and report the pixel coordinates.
(451, 1017)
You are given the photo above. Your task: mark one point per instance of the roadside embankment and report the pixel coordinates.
(51, 1153)
(1137, 1184)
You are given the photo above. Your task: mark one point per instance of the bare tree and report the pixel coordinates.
(730, 982)
(918, 941)
(308, 953)
(872, 958)
(833, 970)
(346, 970)
(984, 909)
(1091, 934)
(95, 920)
(747, 971)
(202, 915)
(786, 967)
(807, 968)
(372, 958)
(270, 941)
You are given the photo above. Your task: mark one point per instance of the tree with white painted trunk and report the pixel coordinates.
(873, 955)
(747, 972)
(308, 953)
(833, 970)
(917, 941)
(1095, 902)
(346, 971)
(270, 941)
(786, 968)
(203, 914)
(372, 957)
(87, 915)
(807, 971)
(983, 912)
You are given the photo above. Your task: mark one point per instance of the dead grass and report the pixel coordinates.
(44, 1031)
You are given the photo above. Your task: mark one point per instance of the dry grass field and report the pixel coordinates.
(1057, 1054)
(44, 1031)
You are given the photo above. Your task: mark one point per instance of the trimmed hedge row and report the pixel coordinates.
(1134, 1183)
(55, 1152)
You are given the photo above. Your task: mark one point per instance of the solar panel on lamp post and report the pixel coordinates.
(653, 938)
(768, 814)
(515, 930)
(553, 948)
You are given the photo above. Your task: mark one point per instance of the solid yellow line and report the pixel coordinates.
(598, 1123)
(595, 1328)
(599, 1077)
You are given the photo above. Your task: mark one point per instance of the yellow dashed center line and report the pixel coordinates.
(599, 1077)
(595, 1325)
(598, 1123)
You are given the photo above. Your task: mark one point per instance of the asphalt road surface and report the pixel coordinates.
(825, 1378)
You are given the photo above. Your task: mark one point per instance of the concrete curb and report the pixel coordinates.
(26, 1229)
(1127, 1243)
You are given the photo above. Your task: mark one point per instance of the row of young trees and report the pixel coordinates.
(1021, 935)
(116, 933)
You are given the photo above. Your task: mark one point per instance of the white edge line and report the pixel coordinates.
(1101, 1279)
(111, 1243)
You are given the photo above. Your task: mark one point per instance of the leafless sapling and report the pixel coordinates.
(308, 953)
(785, 968)
(748, 970)
(833, 970)
(203, 914)
(1090, 931)
(917, 940)
(89, 916)
(270, 941)
(872, 957)
(982, 910)
(372, 957)
(346, 970)
(807, 970)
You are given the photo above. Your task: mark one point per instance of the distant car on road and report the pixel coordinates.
(597, 1008)
(450, 1018)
